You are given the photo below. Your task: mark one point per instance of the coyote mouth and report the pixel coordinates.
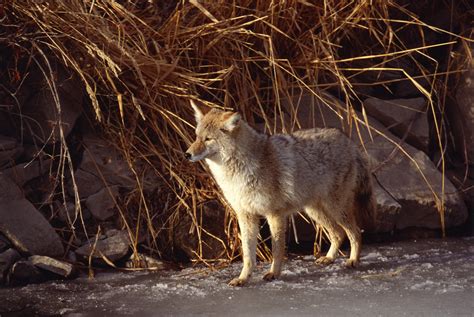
(196, 158)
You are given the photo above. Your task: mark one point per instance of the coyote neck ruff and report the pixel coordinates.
(238, 170)
(319, 171)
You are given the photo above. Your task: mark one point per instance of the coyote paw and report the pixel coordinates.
(324, 260)
(237, 282)
(352, 263)
(270, 276)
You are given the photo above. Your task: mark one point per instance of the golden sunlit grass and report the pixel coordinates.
(142, 61)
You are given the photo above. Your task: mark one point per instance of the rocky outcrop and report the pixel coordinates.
(28, 230)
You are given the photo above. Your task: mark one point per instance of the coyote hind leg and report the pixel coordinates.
(335, 232)
(355, 239)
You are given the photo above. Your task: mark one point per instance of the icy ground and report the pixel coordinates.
(412, 278)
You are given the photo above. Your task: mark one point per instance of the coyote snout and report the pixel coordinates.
(319, 171)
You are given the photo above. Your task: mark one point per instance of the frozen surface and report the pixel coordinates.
(412, 278)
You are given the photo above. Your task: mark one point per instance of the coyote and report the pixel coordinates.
(319, 171)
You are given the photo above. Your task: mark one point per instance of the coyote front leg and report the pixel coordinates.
(277, 226)
(249, 225)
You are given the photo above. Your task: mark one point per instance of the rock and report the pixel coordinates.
(388, 210)
(403, 117)
(57, 267)
(463, 122)
(101, 166)
(186, 237)
(24, 272)
(145, 262)
(398, 176)
(24, 172)
(28, 230)
(66, 212)
(4, 243)
(406, 89)
(39, 111)
(7, 259)
(102, 204)
(114, 248)
(9, 150)
(8, 189)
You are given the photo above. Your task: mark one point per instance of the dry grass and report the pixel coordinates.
(142, 61)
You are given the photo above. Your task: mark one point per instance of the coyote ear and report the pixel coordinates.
(231, 121)
(199, 111)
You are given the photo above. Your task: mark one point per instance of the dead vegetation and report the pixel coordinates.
(141, 62)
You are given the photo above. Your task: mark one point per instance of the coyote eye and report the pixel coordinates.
(207, 139)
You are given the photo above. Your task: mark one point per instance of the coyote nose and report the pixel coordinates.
(187, 155)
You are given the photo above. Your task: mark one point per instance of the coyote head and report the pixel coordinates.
(214, 132)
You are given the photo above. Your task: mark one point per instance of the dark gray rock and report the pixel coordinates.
(66, 212)
(24, 172)
(9, 150)
(102, 204)
(28, 230)
(7, 259)
(8, 189)
(208, 244)
(389, 210)
(4, 243)
(39, 111)
(407, 89)
(406, 118)
(61, 268)
(101, 166)
(113, 248)
(24, 272)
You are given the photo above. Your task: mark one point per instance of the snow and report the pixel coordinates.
(423, 277)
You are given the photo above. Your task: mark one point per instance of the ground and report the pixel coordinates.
(413, 278)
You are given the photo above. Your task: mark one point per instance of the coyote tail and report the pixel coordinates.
(365, 199)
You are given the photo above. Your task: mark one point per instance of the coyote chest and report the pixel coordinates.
(243, 191)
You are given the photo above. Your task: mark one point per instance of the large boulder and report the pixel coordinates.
(404, 173)
(27, 229)
(406, 118)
